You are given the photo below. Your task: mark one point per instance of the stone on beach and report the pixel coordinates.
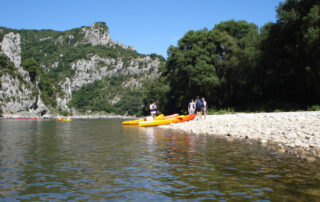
(295, 130)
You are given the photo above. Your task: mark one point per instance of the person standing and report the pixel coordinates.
(203, 107)
(191, 107)
(198, 108)
(153, 109)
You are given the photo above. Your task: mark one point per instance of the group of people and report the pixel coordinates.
(199, 107)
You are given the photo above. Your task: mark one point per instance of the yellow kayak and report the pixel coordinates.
(156, 122)
(136, 122)
(133, 122)
(159, 116)
(64, 119)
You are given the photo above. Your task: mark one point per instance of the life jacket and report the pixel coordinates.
(152, 106)
(198, 103)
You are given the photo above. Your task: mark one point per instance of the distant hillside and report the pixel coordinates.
(79, 70)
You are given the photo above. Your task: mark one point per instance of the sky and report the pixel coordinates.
(149, 25)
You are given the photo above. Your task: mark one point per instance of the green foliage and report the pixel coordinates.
(7, 67)
(109, 96)
(64, 113)
(45, 83)
(290, 60)
(83, 98)
(154, 90)
(217, 64)
(33, 68)
(235, 66)
(131, 103)
(48, 47)
(48, 92)
(314, 108)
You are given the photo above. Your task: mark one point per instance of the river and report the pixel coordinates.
(103, 160)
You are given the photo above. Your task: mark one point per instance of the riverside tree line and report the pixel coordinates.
(237, 65)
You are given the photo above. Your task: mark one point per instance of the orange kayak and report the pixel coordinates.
(176, 119)
(187, 117)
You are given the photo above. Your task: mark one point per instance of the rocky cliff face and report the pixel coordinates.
(10, 46)
(73, 52)
(17, 93)
(98, 34)
(97, 68)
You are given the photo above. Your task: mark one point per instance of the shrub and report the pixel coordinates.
(314, 108)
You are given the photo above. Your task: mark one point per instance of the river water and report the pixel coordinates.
(103, 160)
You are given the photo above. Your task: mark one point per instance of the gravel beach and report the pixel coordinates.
(288, 132)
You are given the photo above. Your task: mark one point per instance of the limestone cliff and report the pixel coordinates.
(69, 60)
(17, 93)
(97, 68)
(10, 46)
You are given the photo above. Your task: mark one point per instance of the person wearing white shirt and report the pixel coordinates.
(203, 107)
(153, 109)
(191, 107)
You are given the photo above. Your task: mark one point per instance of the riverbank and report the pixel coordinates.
(102, 117)
(91, 116)
(295, 133)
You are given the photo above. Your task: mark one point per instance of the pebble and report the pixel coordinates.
(299, 130)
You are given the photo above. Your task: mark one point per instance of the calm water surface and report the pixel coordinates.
(102, 160)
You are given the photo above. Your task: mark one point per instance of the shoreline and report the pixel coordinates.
(293, 133)
(91, 116)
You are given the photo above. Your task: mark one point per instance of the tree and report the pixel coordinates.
(217, 64)
(290, 60)
(33, 68)
(154, 90)
(189, 70)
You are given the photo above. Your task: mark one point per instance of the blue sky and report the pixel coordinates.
(150, 26)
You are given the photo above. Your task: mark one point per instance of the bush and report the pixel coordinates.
(98, 97)
(33, 68)
(314, 108)
(7, 67)
(221, 111)
(64, 113)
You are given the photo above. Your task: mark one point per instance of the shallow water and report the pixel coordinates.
(103, 160)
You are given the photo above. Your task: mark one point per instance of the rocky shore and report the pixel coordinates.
(295, 133)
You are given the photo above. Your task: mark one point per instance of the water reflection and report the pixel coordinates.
(100, 159)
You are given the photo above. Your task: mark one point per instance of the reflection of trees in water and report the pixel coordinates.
(10, 152)
(24, 154)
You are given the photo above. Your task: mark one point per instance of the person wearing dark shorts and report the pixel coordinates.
(198, 107)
